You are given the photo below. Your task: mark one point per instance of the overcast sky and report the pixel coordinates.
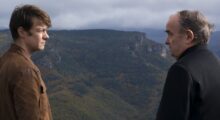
(112, 14)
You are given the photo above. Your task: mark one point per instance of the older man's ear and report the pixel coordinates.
(189, 37)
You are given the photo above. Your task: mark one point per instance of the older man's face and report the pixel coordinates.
(175, 39)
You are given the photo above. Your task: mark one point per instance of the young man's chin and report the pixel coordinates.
(41, 48)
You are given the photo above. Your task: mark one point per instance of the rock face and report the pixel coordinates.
(101, 74)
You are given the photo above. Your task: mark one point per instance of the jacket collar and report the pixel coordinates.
(19, 50)
(193, 48)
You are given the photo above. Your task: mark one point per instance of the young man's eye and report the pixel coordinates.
(42, 30)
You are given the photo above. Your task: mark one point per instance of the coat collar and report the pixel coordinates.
(193, 48)
(19, 50)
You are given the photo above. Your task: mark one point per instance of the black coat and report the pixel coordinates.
(192, 88)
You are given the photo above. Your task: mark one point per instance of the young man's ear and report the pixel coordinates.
(190, 36)
(21, 32)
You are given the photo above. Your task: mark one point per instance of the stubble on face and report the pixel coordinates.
(175, 39)
(38, 36)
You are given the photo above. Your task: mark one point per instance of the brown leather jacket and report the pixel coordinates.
(22, 91)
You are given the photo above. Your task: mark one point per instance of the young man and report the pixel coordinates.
(191, 91)
(22, 91)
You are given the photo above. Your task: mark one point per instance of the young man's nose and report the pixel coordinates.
(46, 36)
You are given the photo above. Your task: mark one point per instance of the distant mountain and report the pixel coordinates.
(157, 35)
(101, 74)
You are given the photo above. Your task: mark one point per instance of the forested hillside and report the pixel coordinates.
(101, 74)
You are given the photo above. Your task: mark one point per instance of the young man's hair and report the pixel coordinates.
(197, 23)
(22, 16)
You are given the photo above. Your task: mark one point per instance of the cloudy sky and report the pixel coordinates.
(112, 14)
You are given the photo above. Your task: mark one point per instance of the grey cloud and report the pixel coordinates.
(85, 14)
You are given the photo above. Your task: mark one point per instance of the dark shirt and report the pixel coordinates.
(191, 91)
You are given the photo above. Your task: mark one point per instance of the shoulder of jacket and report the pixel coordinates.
(16, 62)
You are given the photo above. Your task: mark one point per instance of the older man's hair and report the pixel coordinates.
(197, 23)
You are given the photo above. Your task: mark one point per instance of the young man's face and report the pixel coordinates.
(37, 36)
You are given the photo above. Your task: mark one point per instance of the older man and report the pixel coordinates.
(191, 91)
